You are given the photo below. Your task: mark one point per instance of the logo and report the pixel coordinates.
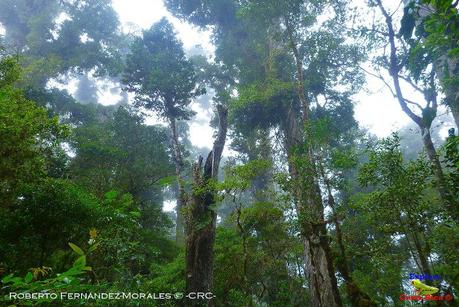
(423, 289)
(424, 292)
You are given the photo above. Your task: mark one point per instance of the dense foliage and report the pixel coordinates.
(307, 208)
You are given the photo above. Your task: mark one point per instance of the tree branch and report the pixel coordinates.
(380, 78)
(394, 68)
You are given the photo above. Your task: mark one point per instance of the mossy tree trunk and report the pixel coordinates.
(202, 218)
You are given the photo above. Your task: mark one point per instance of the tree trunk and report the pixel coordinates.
(454, 106)
(181, 197)
(447, 68)
(422, 255)
(447, 200)
(356, 296)
(201, 219)
(262, 150)
(433, 158)
(318, 259)
(245, 259)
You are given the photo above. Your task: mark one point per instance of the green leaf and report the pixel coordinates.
(7, 278)
(76, 249)
(80, 263)
(71, 272)
(28, 278)
(16, 280)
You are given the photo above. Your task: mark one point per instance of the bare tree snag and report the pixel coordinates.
(202, 218)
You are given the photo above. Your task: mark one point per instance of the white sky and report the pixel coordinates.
(144, 13)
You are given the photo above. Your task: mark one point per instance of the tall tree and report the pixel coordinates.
(121, 153)
(164, 81)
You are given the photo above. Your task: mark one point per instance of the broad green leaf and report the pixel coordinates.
(76, 249)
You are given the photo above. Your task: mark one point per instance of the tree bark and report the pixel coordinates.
(181, 196)
(454, 106)
(318, 258)
(201, 218)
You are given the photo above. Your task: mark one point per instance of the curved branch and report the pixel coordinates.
(380, 78)
(394, 68)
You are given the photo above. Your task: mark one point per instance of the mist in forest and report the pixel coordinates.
(229, 153)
